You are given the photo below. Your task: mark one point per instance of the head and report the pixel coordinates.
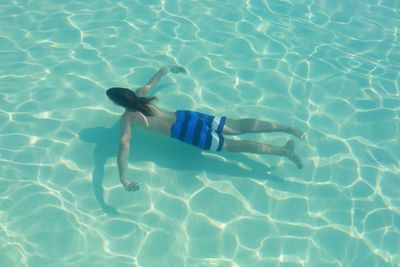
(128, 99)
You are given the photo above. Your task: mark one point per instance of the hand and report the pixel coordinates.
(164, 70)
(130, 186)
(109, 209)
(177, 69)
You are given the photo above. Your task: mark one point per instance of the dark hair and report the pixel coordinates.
(129, 100)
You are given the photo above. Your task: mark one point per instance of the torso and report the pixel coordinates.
(160, 122)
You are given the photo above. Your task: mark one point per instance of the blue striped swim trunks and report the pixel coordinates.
(198, 129)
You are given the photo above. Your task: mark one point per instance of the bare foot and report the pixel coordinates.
(292, 155)
(131, 186)
(297, 132)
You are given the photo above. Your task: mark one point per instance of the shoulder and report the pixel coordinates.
(130, 119)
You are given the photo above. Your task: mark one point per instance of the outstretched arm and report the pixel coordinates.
(123, 153)
(143, 91)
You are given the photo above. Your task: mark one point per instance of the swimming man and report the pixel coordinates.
(204, 131)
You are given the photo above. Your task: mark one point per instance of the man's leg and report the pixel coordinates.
(247, 146)
(242, 126)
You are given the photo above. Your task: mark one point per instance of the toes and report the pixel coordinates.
(298, 133)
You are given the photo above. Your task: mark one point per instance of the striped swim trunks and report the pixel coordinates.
(198, 129)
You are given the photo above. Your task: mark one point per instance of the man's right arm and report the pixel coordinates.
(143, 91)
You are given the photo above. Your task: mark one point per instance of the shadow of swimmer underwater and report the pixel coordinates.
(204, 131)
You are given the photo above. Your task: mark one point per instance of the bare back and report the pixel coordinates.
(160, 122)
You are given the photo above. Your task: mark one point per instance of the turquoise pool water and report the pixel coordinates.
(330, 68)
